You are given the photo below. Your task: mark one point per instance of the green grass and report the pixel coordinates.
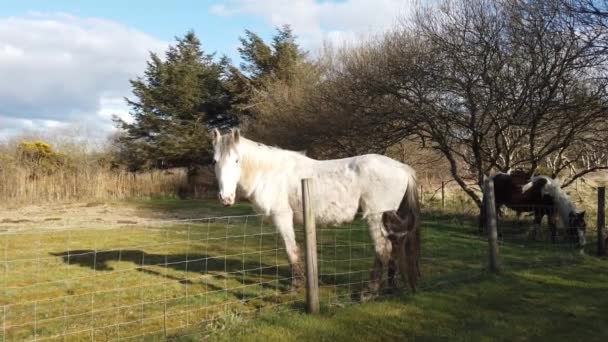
(545, 304)
(138, 283)
(545, 292)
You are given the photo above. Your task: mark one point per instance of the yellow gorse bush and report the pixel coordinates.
(33, 172)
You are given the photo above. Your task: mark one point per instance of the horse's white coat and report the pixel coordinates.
(565, 207)
(527, 187)
(271, 179)
(563, 203)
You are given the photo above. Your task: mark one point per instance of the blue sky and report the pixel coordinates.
(161, 19)
(66, 64)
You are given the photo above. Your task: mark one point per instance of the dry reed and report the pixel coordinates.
(23, 185)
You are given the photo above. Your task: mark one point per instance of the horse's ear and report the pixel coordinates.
(236, 135)
(215, 135)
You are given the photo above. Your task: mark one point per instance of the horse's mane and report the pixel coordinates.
(257, 157)
(562, 201)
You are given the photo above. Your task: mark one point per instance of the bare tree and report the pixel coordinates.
(491, 85)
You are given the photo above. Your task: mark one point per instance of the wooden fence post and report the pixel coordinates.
(442, 195)
(601, 221)
(490, 216)
(312, 275)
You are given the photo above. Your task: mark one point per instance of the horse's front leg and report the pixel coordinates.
(393, 268)
(284, 223)
(552, 225)
(538, 219)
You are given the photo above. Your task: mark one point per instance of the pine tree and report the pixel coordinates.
(262, 64)
(174, 101)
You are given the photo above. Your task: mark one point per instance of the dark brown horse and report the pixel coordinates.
(542, 196)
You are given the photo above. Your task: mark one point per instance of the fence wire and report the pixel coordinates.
(525, 244)
(124, 282)
(452, 253)
(522, 244)
(170, 278)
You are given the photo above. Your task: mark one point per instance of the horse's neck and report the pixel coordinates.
(261, 165)
(562, 202)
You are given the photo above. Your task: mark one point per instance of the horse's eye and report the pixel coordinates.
(237, 161)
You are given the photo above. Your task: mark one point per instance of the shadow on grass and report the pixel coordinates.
(245, 272)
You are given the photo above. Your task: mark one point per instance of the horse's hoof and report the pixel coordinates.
(293, 288)
(367, 295)
(394, 291)
(296, 284)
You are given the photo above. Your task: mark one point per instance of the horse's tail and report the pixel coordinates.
(409, 209)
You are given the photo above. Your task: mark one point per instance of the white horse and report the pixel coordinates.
(565, 210)
(271, 179)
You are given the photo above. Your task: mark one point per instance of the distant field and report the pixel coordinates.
(196, 279)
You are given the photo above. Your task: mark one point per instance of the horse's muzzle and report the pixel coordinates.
(582, 240)
(227, 200)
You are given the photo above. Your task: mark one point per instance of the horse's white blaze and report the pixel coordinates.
(227, 170)
(271, 179)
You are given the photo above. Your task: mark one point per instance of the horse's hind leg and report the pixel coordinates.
(392, 269)
(284, 223)
(382, 248)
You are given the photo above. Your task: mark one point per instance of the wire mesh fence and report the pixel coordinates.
(167, 278)
(526, 243)
(126, 282)
(452, 253)
(141, 281)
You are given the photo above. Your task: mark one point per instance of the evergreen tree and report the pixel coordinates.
(263, 64)
(174, 101)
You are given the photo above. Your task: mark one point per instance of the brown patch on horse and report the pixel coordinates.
(519, 194)
(403, 228)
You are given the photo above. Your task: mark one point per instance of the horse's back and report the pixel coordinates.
(383, 182)
(519, 194)
(372, 183)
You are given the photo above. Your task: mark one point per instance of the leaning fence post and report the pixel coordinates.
(421, 195)
(312, 275)
(490, 216)
(442, 194)
(601, 220)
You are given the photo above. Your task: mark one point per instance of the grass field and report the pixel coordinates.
(203, 279)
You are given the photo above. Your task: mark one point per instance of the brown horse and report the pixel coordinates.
(542, 196)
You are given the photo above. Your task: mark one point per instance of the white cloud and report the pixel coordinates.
(315, 21)
(58, 70)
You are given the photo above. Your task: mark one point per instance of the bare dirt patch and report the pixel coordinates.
(99, 214)
(64, 215)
